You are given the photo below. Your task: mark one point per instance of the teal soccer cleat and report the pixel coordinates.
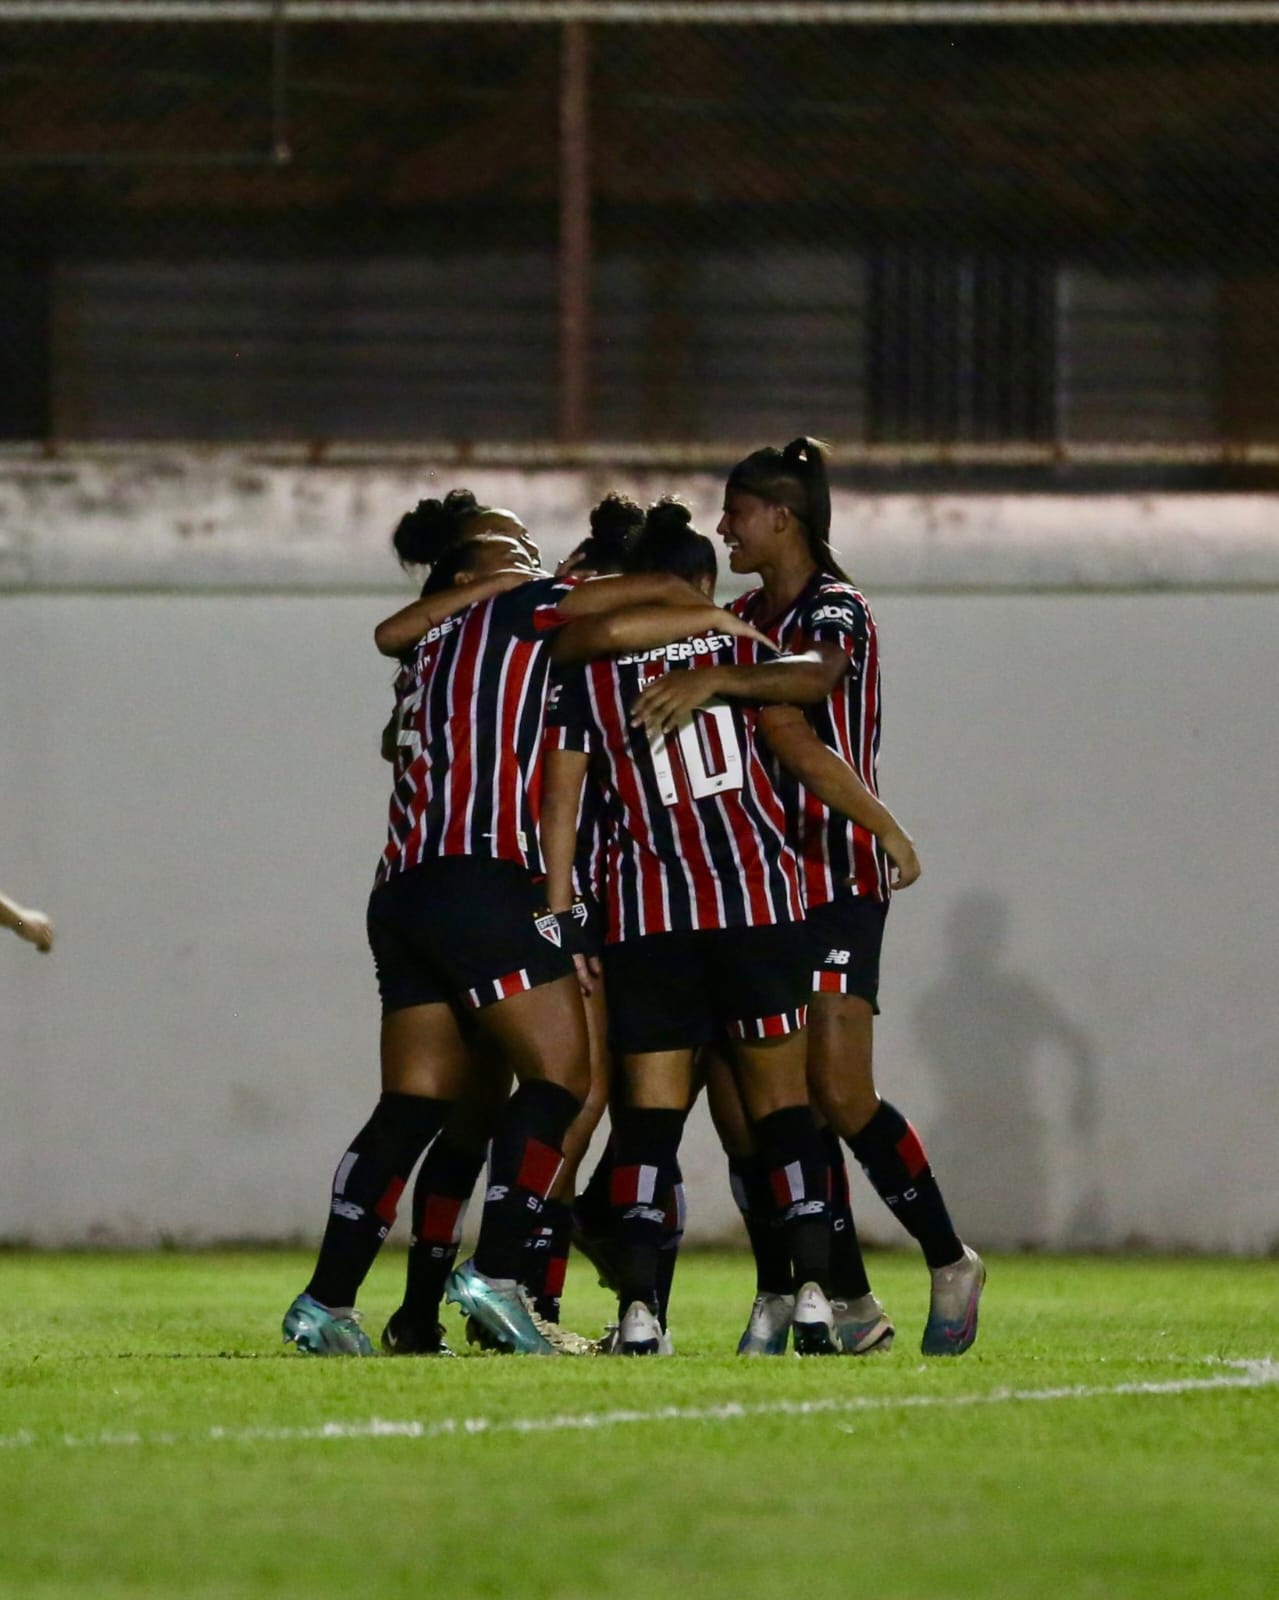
(768, 1331)
(952, 1313)
(499, 1305)
(318, 1330)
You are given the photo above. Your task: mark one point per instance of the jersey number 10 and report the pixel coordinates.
(708, 750)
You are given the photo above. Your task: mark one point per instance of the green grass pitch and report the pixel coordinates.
(1115, 1432)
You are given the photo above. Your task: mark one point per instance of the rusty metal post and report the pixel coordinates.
(575, 232)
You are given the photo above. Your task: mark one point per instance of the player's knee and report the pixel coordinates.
(847, 1106)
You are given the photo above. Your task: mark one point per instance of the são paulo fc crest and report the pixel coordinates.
(548, 925)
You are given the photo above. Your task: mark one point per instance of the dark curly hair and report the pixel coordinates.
(423, 535)
(615, 524)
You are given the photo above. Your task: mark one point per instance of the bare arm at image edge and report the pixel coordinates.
(33, 926)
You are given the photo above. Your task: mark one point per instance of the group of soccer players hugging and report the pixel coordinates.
(635, 851)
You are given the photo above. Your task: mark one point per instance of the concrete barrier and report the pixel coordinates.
(1080, 1010)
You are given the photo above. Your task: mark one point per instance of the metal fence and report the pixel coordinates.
(1017, 235)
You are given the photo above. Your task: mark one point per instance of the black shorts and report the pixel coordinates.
(589, 924)
(675, 991)
(844, 938)
(464, 929)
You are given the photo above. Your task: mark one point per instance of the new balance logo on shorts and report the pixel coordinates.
(837, 958)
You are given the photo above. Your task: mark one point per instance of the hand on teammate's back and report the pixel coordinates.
(664, 705)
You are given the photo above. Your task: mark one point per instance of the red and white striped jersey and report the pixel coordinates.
(696, 830)
(834, 853)
(470, 704)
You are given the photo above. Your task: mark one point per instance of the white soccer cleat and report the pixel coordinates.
(768, 1331)
(862, 1325)
(813, 1323)
(606, 1344)
(952, 1313)
(638, 1334)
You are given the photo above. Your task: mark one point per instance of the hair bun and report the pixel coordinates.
(425, 533)
(615, 523)
(667, 518)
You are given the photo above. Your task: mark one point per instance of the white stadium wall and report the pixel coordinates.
(1080, 1006)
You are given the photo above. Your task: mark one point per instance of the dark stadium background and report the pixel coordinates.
(998, 236)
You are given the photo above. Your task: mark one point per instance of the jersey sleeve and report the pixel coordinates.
(568, 723)
(840, 618)
(532, 610)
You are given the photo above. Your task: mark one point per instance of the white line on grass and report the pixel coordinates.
(1247, 1375)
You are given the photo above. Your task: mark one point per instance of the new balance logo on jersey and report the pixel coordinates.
(837, 958)
(548, 925)
(683, 649)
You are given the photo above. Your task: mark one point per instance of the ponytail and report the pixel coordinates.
(796, 478)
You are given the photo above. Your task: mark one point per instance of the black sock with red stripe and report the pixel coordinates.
(546, 1259)
(668, 1250)
(367, 1186)
(748, 1180)
(799, 1176)
(645, 1163)
(445, 1183)
(526, 1160)
(894, 1159)
(848, 1280)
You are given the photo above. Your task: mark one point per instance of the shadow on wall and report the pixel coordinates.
(1013, 1139)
